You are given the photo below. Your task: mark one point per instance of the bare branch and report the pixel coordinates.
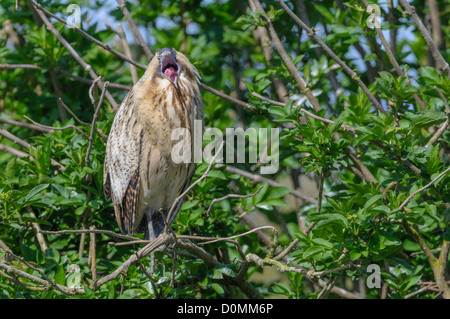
(237, 236)
(19, 66)
(411, 196)
(126, 48)
(134, 29)
(57, 128)
(177, 200)
(40, 128)
(440, 61)
(94, 120)
(99, 132)
(258, 179)
(215, 200)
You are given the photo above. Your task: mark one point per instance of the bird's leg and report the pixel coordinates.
(152, 263)
(151, 230)
(151, 235)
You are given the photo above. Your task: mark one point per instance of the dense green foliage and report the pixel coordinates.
(367, 172)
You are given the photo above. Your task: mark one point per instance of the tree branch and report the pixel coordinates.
(442, 65)
(311, 33)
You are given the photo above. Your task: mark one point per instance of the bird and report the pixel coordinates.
(140, 175)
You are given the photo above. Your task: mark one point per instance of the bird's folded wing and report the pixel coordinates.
(121, 170)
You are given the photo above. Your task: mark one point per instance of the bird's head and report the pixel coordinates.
(173, 66)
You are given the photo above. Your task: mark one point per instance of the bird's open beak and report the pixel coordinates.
(170, 68)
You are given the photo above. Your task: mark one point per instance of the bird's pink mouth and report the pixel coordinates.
(170, 68)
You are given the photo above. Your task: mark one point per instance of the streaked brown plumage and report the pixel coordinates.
(139, 174)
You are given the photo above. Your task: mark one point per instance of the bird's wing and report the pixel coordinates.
(121, 173)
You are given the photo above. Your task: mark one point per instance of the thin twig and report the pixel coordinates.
(19, 66)
(40, 128)
(177, 200)
(259, 179)
(40, 237)
(94, 120)
(239, 102)
(141, 266)
(319, 202)
(99, 132)
(57, 128)
(88, 231)
(439, 132)
(93, 92)
(15, 152)
(447, 108)
(126, 49)
(215, 200)
(66, 74)
(92, 254)
(237, 236)
(325, 120)
(327, 288)
(284, 268)
(411, 196)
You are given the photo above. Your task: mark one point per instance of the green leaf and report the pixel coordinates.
(258, 197)
(372, 201)
(447, 235)
(89, 292)
(312, 251)
(267, 204)
(427, 118)
(60, 276)
(73, 280)
(223, 270)
(35, 220)
(277, 192)
(34, 194)
(322, 242)
(355, 254)
(277, 110)
(430, 73)
(31, 252)
(218, 288)
(189, 204)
